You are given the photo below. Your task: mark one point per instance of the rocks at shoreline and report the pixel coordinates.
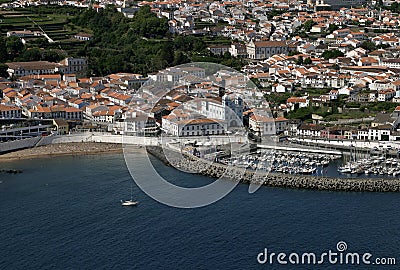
(11, 171)
(207, 168)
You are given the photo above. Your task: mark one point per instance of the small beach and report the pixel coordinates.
(63, 149)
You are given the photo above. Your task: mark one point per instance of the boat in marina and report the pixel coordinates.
(289, 162)
(280, 161)
(344, 169)
(372, 166)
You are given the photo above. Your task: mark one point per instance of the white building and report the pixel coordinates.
(198, 127)
(24, 34)
(238, 50)
(73, 65)
(379, 133)
(139, 124)
(219, 49)
(265, 49)
(7, 112)
(67, 66)
(385, 95)
(309, 130)
(174, 74)
(263, 125)
(229, 109)
(31, 68)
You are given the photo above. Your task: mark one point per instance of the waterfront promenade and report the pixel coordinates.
(109, 138)
(79, 143)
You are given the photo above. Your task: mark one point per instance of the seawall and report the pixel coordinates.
(203, 167)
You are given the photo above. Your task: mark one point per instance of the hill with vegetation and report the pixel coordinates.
(142, 44)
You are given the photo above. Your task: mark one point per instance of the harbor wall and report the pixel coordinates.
(18, 144)
(206, 168)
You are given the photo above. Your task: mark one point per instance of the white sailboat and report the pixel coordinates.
(130, 202)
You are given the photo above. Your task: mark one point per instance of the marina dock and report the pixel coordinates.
(302, 149)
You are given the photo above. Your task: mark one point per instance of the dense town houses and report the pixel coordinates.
(199, 109)
(312, 56)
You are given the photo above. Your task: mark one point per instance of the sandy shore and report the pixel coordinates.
(63, 149)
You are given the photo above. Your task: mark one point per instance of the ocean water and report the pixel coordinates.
(64, 213)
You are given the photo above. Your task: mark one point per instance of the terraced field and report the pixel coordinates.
(56, 25)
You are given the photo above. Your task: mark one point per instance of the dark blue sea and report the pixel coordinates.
(64, 213)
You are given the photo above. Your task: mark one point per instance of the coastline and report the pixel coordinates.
(62, 149)
(216, 170)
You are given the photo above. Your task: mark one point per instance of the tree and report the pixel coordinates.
(308, 25)
(14, 46)
(39, 42)
(332, 27)
(395, 7)
(227, 55)
(180, 58)
(147, 24)
(367, 45)
(330, 54)
(301, 113)
(3, 70)
(307, 61)
(165, 53)
(32, 54)
(52, 56)
(299, 60)
(3, 50)
(293, 53)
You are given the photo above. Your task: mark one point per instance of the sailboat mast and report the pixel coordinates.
(131, 191)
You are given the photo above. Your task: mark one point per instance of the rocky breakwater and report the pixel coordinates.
(11, 171)
(193, 164)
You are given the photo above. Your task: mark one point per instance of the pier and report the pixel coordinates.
(300, 149)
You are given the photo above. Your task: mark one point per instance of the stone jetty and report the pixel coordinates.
(204, 167)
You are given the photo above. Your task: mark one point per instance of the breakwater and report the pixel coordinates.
(191, 163)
